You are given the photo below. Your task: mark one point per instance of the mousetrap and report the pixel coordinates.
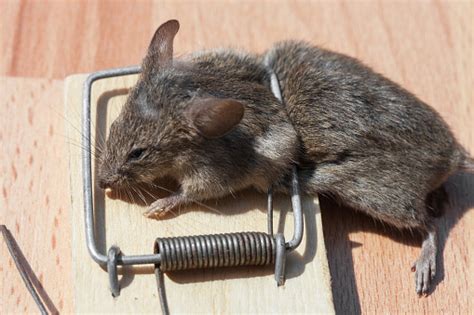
(218, 257)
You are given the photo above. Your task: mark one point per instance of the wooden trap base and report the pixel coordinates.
(219, 291)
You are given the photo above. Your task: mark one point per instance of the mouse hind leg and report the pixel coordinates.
(425, 266)
(402, 204)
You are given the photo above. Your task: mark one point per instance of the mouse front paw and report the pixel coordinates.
(161, 207)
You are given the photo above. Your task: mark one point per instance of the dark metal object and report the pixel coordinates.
(219, 250)
(112, 257)
(23, 273)
(280, 261)
(270, 211)
(160, 285)
(179, 253)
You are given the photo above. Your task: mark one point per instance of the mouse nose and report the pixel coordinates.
(103, 184)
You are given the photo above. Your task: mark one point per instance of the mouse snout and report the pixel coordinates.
(110, 181)
(103, 184)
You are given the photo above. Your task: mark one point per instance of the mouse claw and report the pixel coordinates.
(155, 210)
(148, 214)
(425, 271)
(160, 208)
(154, 214)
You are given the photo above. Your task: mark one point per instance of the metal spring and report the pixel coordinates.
(218, 250)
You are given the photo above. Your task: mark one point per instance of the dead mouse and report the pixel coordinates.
(211, 122)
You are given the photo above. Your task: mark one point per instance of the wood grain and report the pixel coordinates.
(35, 192)
(427, 46)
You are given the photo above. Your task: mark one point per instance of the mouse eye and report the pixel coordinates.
(135, 154)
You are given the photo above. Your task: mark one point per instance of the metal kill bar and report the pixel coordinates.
(101, 258)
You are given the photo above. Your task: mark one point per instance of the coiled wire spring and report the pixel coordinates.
(216, 250)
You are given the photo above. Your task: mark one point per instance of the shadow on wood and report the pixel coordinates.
(339, 221)
(295, 262)
(460, 189)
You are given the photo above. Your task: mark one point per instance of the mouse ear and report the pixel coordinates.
(214, 117)
(160, 50)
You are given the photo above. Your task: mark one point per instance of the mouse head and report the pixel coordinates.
(187, 117)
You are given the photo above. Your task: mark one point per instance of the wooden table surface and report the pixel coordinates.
(425, 46)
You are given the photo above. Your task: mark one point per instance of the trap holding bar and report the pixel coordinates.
(188, 252)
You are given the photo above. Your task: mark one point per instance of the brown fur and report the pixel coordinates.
(365, 139)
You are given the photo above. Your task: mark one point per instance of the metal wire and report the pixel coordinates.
(160, 285)
(295, 187)
(113, 255)
(270, 210)
(23, 273)
(217, 250)
(297, 212)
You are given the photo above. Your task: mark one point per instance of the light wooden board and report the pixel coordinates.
(34, 202)
(218, 291)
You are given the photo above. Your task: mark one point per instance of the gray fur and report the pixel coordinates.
(205, 168)
(364, 139)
